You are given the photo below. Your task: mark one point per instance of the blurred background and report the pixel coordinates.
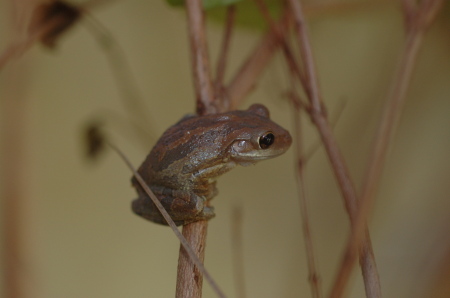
(82, 240)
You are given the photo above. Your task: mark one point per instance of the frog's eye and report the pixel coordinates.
(266, 140)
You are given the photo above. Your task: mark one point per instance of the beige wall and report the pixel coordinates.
(85, 242)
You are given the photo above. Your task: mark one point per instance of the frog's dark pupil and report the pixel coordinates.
(266, 140)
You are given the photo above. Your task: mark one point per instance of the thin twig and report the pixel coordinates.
(314, 276)
(334, 119)
(245, 78)
(189, 279)
(170, 222)
(386, 130)
(130, 95)
(318, 115)
(223, 55)
(293, 65)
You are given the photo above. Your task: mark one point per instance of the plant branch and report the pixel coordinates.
(189, 279)
(130, 95)
(14, 192)
(224, 50)
(318, 116)
(295, 71)
(293, 65)
(245, 79)
(187, 249)
(238, 252)
(416, 28)
(14, 161)
(314, 276)
(200, 60)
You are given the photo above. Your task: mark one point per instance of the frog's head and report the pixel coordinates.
(258, 137)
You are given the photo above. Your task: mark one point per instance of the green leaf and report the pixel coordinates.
(248, 14)
(207, 4)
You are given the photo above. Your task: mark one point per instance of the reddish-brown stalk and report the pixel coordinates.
(14, 108)
(246, 77)
(295, 71)
(318, 116)
(189, 278)
(201, 72)
(314, 276)
(187, 249)
(238, 252)
(219, 89)
(14, 161)
(418, 19)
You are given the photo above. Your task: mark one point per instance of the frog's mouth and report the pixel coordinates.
(245, 158)
(247, 152)
(257, 155)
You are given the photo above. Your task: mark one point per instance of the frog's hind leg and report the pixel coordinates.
(187, 209)
(145, 208)
(182, 210)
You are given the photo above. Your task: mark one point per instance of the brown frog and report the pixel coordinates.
(182, 167)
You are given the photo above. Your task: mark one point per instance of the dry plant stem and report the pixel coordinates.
(200, 61)
(222, 61)
(188, 250)
(367, 259)
(14, 161)
(189, 280)
(386, 129)
(314, 277)
(132, 99)
(14, 185)
(237, 250)
(17, 49)
(245, 79)
(293, 65)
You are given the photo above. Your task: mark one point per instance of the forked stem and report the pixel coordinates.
(318, 116)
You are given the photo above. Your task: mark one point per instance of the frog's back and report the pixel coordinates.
(196, 143)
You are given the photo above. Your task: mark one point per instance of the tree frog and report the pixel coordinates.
(182, 167)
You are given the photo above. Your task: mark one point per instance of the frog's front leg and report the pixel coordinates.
(182, 207)
(214, 171)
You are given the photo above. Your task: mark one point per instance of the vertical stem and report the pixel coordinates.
(314, 277)
(417, 21)
(200, 61)
(318, 115)
(13, 161)
(245, 79)
(13, 193)
(238, 253)
(189, 279)
(223, 56)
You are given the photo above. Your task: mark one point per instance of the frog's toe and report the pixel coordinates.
(143, 208)
(207, 213)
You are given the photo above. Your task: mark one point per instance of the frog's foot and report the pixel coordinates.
(206, 214)
(180, 210)
(145, 208)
